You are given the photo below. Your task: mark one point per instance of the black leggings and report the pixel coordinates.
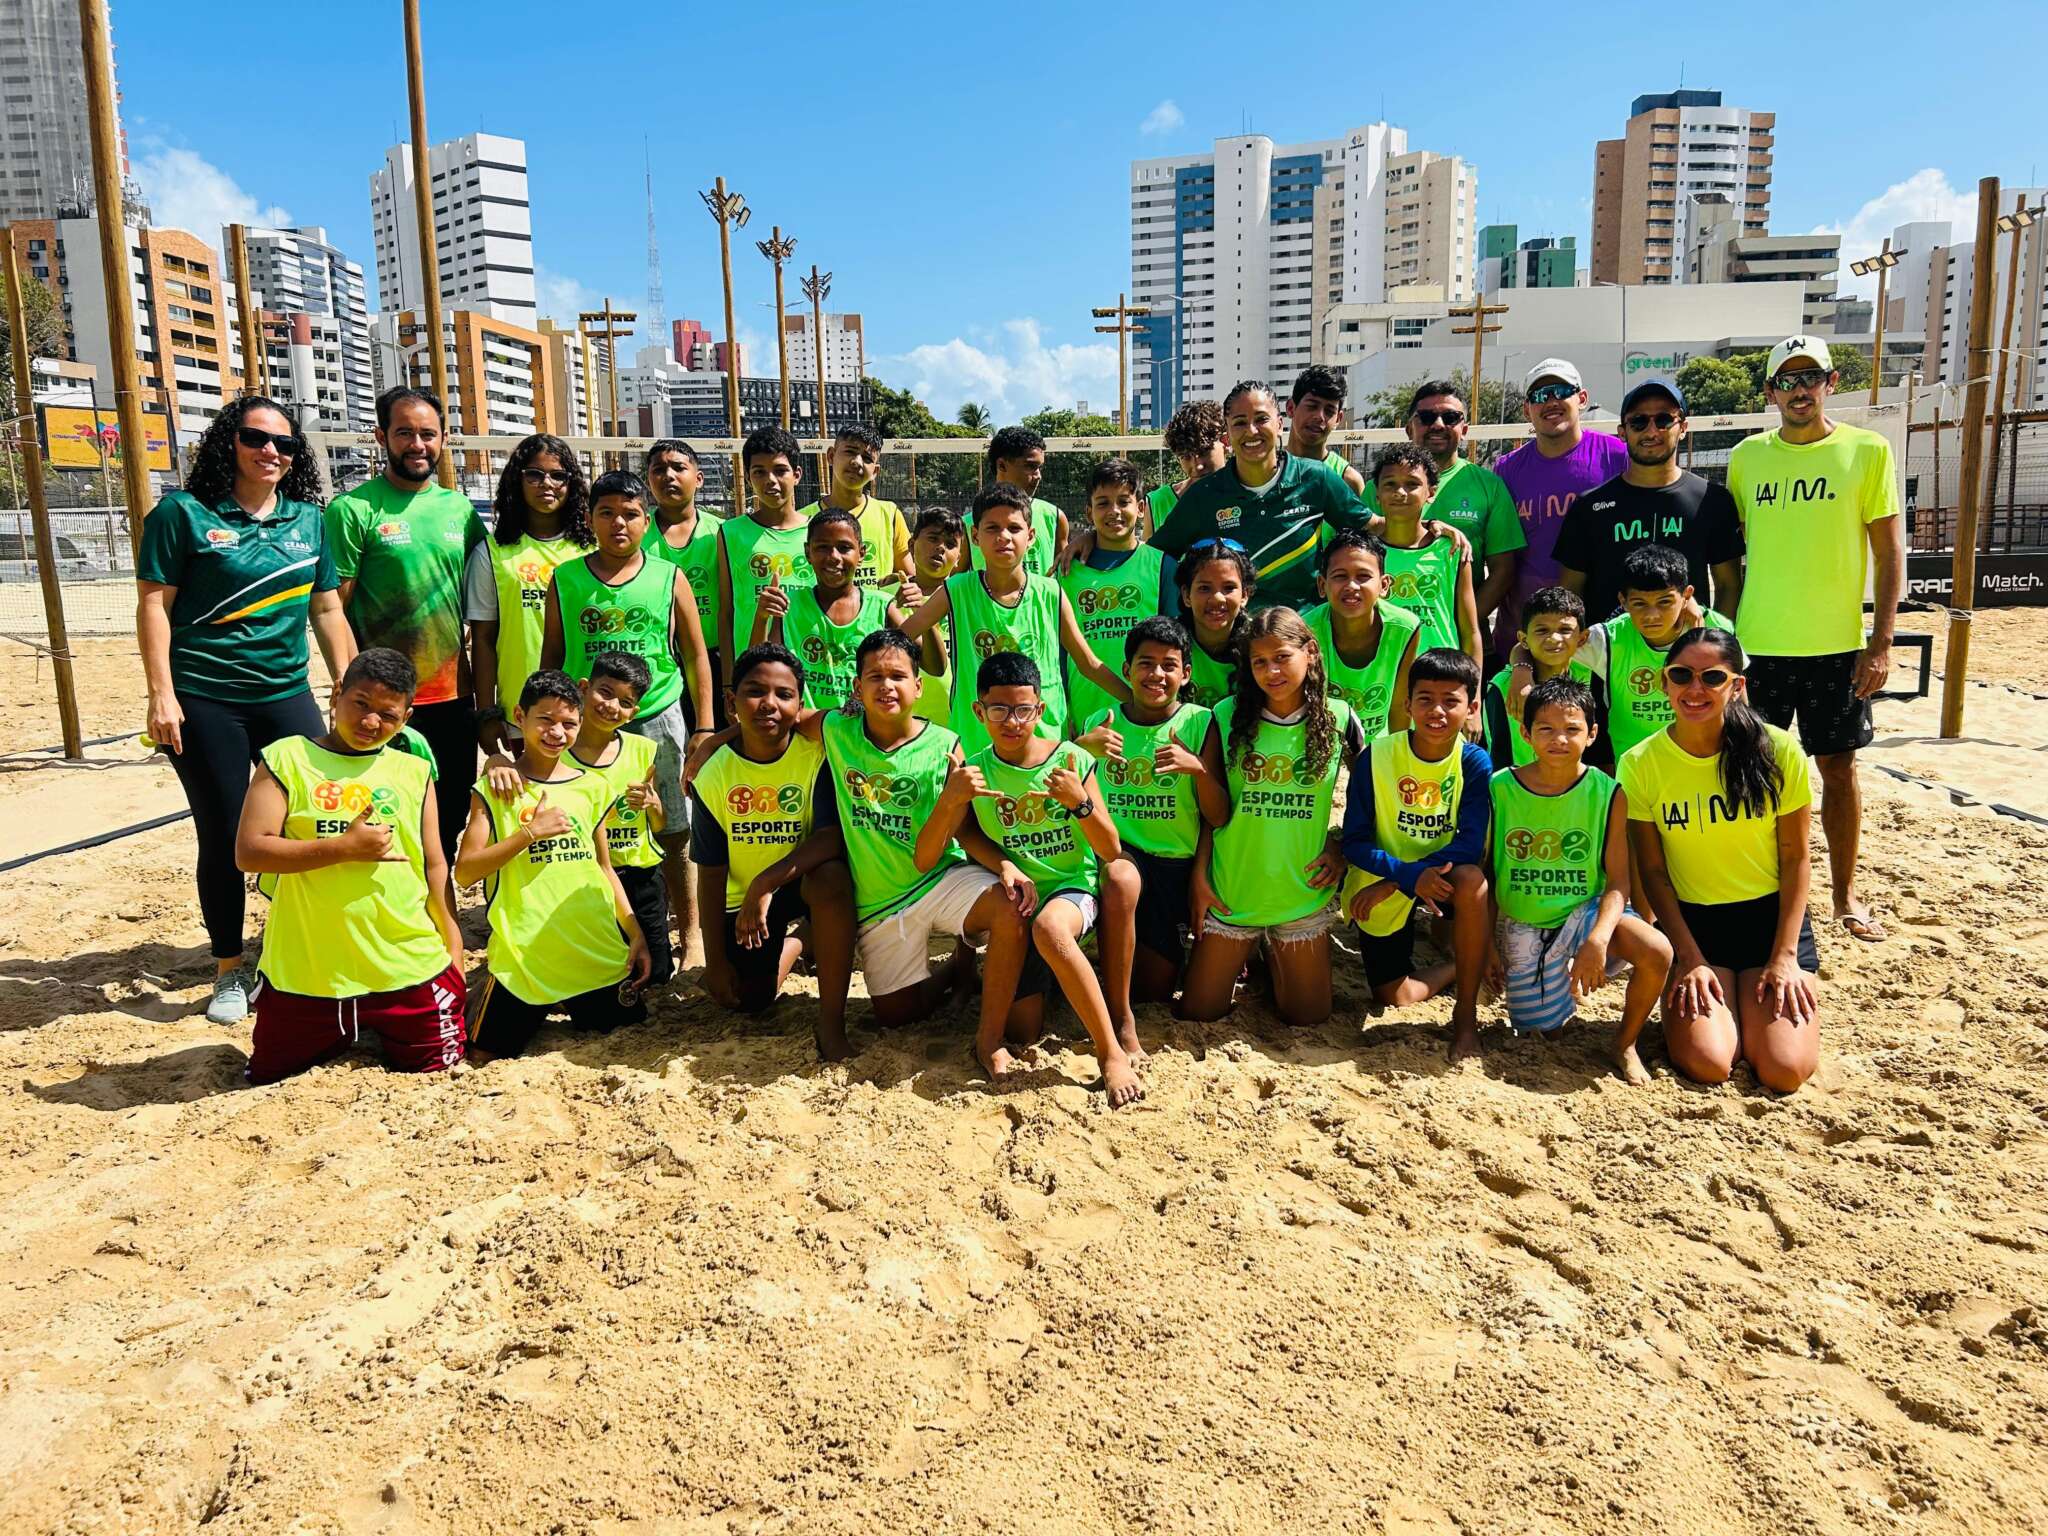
(450, 731)
(222, 742)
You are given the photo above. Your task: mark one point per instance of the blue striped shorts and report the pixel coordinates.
(1538, 962)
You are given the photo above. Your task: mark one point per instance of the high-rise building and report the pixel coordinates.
(1720, 250)
(497, 371)
(687, 336)
(1432, 202)
(1677, 146)
(1951, 285)
(572, 370)
(1239, 251)
(297, 272)
(483, 228)
(845, 348)
(1542, 262)
(183, 307)
(46, 150)
(304, 356)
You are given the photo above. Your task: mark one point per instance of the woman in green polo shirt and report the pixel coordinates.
(232, 569)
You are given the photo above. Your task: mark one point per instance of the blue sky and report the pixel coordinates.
(963, 173)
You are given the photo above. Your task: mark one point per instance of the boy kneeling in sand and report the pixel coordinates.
(345, 837)
(1559, 852)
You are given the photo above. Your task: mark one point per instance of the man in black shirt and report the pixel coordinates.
(1653, 501)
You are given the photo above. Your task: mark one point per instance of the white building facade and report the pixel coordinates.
(483, 228)
(845, 349)
(297, 272)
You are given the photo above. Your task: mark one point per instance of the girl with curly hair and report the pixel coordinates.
(541, 519)
(1268, 877)
(232, 569)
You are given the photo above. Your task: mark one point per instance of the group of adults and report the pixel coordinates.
(242, 561)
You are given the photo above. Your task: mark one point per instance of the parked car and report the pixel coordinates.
(18, 558)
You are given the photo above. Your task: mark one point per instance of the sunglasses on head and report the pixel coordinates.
(1440, 418)
(1545, 394)
(545, 476)
(1708, 677)
(287, 444)
(1642, 421)
(1800, 378)
(1202, 546)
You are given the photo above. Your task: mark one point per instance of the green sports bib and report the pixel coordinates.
(1548, 850)
(1415, 812)
(522, 574)
(1425, 582)
(350, 929)
(554, 924)
(884, 797)
(1518, 735)
(1154, 812)
(982, 626)
(698, 561)
(1279, 822)
(1637, 706)
(827, 649)
(754, 556)
(627, 834)
(1036, 833)
(1369, 689)
(1043, 551)
(765, 809)
(1108, 605)
(1211, 679)
(636, 616)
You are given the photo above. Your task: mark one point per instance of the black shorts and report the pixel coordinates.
(1739, 935)
(1389, 957)
(506, 1024)
(648, 896)
(1820, 691)
(757, 970)
(1163, 888)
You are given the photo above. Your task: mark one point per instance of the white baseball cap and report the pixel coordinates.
(1553, 368)
(1799, 349)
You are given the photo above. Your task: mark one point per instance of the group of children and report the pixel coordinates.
(907, 734)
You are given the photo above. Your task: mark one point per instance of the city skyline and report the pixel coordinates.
(975, 255)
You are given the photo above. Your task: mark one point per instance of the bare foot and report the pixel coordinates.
(998, 1062)
(1122, 1082)
(1631, 1067)
(832, 1043)
(1127, 1037)
(1464, 1039)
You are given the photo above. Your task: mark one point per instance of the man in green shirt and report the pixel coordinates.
(1314, 410)
(1267, 501)
(399, 543)
(1820, 504)
(1470, 497)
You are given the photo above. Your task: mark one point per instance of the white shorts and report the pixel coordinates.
(894, 952)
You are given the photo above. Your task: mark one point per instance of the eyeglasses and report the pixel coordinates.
(1023, 714)
(545, 476)
(1547, 394)
(1439, 418)
(1803, 378)
(1709, 677)
(1202, 546)
(1642, 421)
(287, 444)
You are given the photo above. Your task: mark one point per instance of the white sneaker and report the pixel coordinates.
(230, 1003)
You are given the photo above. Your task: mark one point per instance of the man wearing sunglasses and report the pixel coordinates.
(1470, 497)
(400, 542)
(1653, 501)
(1819, 501)
(1559, 464)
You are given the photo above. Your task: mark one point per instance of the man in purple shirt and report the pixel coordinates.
(1546, 475)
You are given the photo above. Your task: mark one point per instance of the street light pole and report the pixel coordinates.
(1882, 264)
(423, 215)
(2014, 224)
(779, 250)
(816, 286)
(731, 211)
(1125, 313)
(1969, 495)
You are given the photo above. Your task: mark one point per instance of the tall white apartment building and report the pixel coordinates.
(1238, 252)
(483, 228)
(45, 143)
(1950, 291)
(297, 272)
(1432, 223)
(845, 348)
(1677, 146)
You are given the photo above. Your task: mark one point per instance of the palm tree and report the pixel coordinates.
(976, 417)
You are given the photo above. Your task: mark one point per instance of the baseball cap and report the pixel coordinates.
(1799, 349)
(1655, 384)
(1553, 368)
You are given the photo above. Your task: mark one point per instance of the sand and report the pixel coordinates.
(684, 1279)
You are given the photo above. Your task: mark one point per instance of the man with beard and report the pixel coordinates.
(1653, 501)
(399, 543)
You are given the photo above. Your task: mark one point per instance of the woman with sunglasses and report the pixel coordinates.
(232, 568)
(1719, 804)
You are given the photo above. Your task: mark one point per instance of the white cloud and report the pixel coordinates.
(1924, 195)
(1163, 118)
(186, 191)
(559, 296)
(1013, 373)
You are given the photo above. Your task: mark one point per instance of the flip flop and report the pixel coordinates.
(1864, 926)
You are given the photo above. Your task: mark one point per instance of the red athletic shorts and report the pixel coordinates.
(421, 1027)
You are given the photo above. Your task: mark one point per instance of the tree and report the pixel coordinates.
(1722, 386)
(1389, 407)
(976, 418)
(948, 479)
(1066, 474)
(45, 321)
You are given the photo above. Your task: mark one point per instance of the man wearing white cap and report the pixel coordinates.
(1820, 502)
(1546, 475)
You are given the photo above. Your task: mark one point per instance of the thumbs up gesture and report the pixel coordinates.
(366, 841)
(643, 794)
(773, 600)
(547, 821)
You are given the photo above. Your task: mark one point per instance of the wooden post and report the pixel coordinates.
(39, 509)
(1963, 587)
(255, 360)
(1479, 309)
(728, 209)
(1877, 333)
(816, 286)
(779, 250)
(2012, 293)
(423, 214)
(1125, 313)
(119, 285)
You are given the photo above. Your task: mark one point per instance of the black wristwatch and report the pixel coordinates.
(1084, 810)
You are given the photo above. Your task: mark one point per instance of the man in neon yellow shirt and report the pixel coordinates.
(1820, 506)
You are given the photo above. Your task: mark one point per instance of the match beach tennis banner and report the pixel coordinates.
(2003, 581)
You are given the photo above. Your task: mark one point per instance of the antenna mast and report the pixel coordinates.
(657, 310)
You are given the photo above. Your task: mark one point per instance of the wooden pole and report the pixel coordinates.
(779, 250)
(39, 510)
(423, 214)
(255, 361)
(1969, 494)
(1877, 335)
(732, 348)
(120, 288)
(2012, 293)
(816, 286)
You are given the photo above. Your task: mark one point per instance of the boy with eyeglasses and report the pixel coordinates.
(1819, 501)
(1653, 501)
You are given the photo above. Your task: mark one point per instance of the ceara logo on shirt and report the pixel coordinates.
(1523, 845)
(223, 538)
(883, 789)
(764, 799)
(395, 532)
(1096, 600)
